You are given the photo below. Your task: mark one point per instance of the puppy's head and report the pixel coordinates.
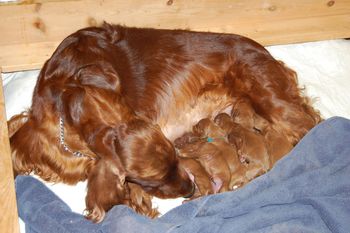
(201, 127)
(207, 128)
(244, 114)
(224, 121)
(150, 160)
(185, 139)
(252, 151)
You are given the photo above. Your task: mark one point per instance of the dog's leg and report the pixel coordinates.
(104, 190)
(95, 117)
(106, 181)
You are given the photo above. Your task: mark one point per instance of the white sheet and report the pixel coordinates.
(322, 67)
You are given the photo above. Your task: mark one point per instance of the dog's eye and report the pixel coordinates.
(147, 188)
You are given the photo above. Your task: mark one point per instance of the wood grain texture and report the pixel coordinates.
(9, 216)
(32, 29)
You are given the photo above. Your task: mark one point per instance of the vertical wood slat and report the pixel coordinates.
(8, 205)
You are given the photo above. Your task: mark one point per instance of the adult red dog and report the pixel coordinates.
(111, 99)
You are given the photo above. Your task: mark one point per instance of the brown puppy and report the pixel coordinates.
(250, 145)
(244, 114)
(277, 144)
(217, 136)
(212, 160)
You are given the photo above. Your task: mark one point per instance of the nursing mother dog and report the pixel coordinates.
(111, 99)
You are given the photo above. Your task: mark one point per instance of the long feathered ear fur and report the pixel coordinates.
(35, 148)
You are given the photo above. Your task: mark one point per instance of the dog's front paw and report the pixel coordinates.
(95, 214)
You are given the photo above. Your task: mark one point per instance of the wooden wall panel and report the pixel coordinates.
(30, 31)
(9, 217)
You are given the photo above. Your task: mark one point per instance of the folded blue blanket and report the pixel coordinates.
(307, 191)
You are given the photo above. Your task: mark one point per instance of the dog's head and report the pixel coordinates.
(150, 160)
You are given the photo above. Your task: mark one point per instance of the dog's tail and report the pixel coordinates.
(36, 149)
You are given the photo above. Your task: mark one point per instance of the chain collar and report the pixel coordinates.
(65, 146)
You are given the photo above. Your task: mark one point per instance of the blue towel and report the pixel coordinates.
(307, 191)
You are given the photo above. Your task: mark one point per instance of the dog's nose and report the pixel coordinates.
(192, 191)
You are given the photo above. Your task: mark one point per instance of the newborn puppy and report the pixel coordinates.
(244, 114)
(217, 137)
(250, 146)
(277, 145)
(213, 162)
(204, 185)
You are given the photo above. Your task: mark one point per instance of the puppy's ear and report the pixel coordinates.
(198, 130)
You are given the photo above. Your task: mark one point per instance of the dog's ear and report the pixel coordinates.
(100, 76)
(113, 32)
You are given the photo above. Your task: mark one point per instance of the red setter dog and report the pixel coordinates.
(111, 99)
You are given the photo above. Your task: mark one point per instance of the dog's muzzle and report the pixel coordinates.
(192, 191)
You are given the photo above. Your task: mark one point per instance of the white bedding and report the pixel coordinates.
(322, 67)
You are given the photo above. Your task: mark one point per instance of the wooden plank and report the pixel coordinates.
(9, 216)
(31, 30)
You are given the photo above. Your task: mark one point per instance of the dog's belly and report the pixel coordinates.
(181, 119)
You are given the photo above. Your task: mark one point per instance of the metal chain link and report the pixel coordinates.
(64, 145)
